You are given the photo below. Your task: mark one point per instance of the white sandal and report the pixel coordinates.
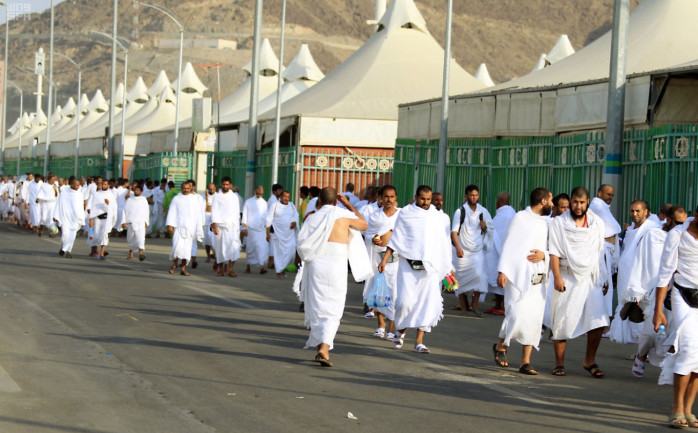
(380, 333)
(638, 368)
(420, 348)
(389, 336)
(399, 340)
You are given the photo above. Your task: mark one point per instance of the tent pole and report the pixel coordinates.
(254, 94)
(441, 171)
(277, 133)
(616, 102)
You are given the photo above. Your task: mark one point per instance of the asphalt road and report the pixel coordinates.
(123, 346)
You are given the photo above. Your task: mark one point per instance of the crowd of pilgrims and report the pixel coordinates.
(561, 268)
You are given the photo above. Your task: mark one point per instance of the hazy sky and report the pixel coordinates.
(24, 6)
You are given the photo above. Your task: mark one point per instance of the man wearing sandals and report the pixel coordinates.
(468, 235)
(185, 222)
(523, 273)
(680, 262)
(425, 259)
(225, 224)
(637, 273)
(577, 306)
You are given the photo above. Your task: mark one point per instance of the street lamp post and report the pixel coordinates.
(4, 92)
(78, 110)
(277, 131)
(47, 155)
(179, 78)
(21, 124)
(123, 99)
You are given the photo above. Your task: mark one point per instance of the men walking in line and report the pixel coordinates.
(225, 223)
(601, 206)
(637, 273)
(679, 268)
(135, 220)
(254, 216)
(69, 214)
(468, 231)
(577, 307)
(425, 259)
(282, 223)
(500, 222)
(323, 246)
(523, 273)
(185, 222)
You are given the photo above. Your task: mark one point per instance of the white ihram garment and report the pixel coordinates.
(380, 224)
(186, 218)
(581, 307)
(524, 293)
(102, 226)
(47, 202)
(280, 216)
(34, 208)
(611, 250)
(470, 269)
(225, 213)
(500, 228)
(136, 216)
(254, 214)
(70, 214)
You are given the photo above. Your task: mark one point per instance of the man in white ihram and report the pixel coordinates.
(523, 273)
(500, 229)
(135, 220)
(254, 215)
(225, 223)
(601, 206)
(47, 196)
(69, 214)
(282, 221)
(638, 271)
(323, 245)
(102, 209)
(185, 223)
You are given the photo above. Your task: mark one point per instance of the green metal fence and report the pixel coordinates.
(163, 166)
(659, 165)
(33, 165)
(231, 164)
(87, 166)
(286, 174)
(234, 165)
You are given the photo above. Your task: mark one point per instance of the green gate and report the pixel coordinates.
(163, 166)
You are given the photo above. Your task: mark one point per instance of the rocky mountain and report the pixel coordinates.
(508, 35)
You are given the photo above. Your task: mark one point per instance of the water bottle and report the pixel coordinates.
(661, 331)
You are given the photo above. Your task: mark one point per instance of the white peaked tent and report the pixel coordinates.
(572, 94)
(69, 123)
(139, 92)
(96, 108)
(540, 64)
(268, 70)
(57, 115)
(300, 75)
(158, 85)
(190, 81)
(162, 116)
(13, 140)
(98, 128)
(562, 48)
(357, 103)
(483, 75)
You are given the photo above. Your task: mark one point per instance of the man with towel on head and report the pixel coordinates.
(523, 274)
(638, 271)
(254, 217)
(282, 222)
(185, 223)
(577, 307)
(425, 259)
(102, 210)
(468, 234)
(69, 214)
(135, 219)
(377, 236)
(323, 245)
(679, 273)
(225, 223)
(500, 222)
(601, 206)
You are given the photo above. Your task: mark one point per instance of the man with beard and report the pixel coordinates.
(677, 216)
(468, 232)
(208, 234)
(425, 259)
(69, 214)
(254, 215)
(282, 223)
(523, 272)
(577, 307)
(135, 219)
(225, 223)
(601, 206)
(185, 223)
(102, 210)
(637, 274)
(437, 199)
